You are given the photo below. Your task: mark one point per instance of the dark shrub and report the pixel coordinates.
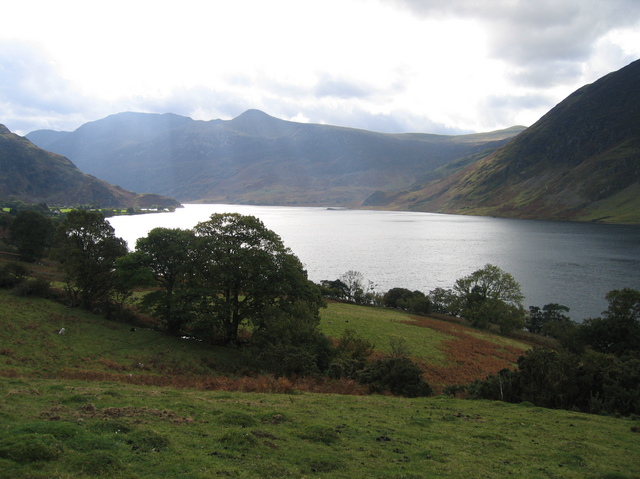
(12, 274)
(33, 287)
(350, 356)
(399, 375)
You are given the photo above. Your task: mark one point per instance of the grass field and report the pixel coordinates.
(102, 400)
(76, 429)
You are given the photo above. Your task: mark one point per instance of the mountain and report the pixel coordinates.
(581, 161)
(256, 158)
(33, 175)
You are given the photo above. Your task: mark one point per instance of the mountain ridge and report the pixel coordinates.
(257, 158)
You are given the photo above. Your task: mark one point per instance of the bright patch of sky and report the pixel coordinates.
(385, 65)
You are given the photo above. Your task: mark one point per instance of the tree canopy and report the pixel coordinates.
(490, 296)
(32, 233)
(245, 269)
(228, 272)
(169, 256)
(87, 249)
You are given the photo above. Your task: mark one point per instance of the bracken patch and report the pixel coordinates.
(468, 355)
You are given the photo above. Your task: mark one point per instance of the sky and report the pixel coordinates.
(429, 66)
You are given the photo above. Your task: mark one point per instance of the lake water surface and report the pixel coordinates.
(574, 264)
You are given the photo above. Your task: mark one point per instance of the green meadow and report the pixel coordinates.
(76, 429)
(102, 400)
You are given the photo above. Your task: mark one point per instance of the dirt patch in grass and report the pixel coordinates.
(89, 411)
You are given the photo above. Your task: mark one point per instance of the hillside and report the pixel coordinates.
(256, 158)
(104, 401)
(33, 175)
(581, 161)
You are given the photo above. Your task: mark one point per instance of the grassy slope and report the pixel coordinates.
(118, 430)
(123, 424)
(30, 344)
(449, 353)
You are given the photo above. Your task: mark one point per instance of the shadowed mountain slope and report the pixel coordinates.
(33, 175)
(581, 161)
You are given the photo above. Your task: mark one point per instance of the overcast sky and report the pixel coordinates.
(429, 66)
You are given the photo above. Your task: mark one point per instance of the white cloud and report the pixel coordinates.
(392, 65)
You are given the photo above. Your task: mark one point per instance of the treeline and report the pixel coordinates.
(488, 298)
(594, 366)
(231, 281)
(16, 207)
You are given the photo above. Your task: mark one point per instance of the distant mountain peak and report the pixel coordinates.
(253, 116)
(253, 113)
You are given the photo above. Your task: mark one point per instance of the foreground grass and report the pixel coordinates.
(72, 429)
(150, 405)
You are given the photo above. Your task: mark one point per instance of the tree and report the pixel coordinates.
(334, 289)
(350, 356)
(169, 254)
(548, 320)
(445, 301)
(618, 330)
(548, 378)
(244, 269)
(408, 300)
(358, 289)
(490, 296)
(289, 343)
(129, 273)
(32, 233)
(87, 249)
(400, 375)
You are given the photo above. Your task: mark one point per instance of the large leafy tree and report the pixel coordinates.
(618, 330)
(87, 249)
(490, 295)
(32, 233)
(408, 300)
(245, 270)
(169, 255)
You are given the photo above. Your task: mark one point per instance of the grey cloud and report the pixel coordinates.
(34, 95)
(502, 110)
(541, 34)
(521, 102)
(553, 73)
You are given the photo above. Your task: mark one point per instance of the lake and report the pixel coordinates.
(574, 264)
